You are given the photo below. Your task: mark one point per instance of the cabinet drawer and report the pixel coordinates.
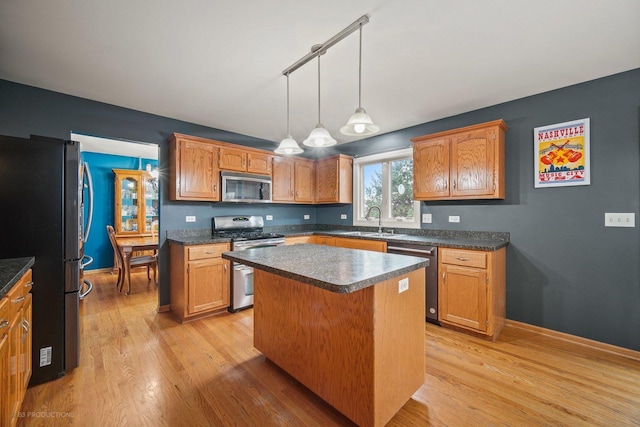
(467, 258)
(4, 316)
(206, 251)
(17, 295)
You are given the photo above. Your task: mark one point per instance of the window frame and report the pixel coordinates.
(358, 190)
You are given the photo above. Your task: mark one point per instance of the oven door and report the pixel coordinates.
(242, 287)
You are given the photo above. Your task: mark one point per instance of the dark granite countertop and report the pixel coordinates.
(479, 240)
(335, 269)
(11, 270)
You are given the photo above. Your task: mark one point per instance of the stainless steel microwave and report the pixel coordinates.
(242, 187)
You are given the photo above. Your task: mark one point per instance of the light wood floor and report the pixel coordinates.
(141, 368)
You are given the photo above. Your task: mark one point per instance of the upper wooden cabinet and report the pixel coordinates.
(136, 202)
(241, 160)
(334, 179)
(464, 163)
(293, 180)
(195, 165)
(193, 171)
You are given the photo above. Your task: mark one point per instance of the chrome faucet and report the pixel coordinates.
(379, 217)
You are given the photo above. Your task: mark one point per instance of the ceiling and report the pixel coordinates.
(220, 64)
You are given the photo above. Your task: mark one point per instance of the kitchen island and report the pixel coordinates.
(348, 324)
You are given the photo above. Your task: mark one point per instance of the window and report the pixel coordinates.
(386, 181)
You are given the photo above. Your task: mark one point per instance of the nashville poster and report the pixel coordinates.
(562, 154)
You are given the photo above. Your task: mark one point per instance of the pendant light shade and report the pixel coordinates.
(288, 145)
(319, 136)
(359, 124)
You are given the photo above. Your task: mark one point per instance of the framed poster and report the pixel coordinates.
(561, 154)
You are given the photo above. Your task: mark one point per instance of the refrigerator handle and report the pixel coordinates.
(87, 173)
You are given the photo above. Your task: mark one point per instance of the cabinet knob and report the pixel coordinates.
(454, 185)
(445, 185)
(4, 323)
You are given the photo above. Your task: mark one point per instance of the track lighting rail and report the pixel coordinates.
(321, 49)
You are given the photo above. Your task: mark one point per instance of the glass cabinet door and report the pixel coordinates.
(151, 204)
(128, 206)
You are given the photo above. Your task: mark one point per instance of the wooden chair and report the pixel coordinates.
(149, 261)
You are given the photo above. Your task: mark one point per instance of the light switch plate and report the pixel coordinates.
(343, 216)
(190, 218)
(269, 217)
(403, 285)
(307, 217)
(620, 219)
(426, 218)
(454, 218)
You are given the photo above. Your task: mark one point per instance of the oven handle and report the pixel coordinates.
(268, 245)
(416, 251)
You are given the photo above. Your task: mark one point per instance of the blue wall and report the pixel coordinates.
(565, 270)
(101, 165)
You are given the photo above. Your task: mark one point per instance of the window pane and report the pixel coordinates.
(402, 188)
(372, 188)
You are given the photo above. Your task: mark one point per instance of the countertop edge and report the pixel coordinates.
(11, 270)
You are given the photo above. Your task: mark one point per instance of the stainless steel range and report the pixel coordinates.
(245, 232)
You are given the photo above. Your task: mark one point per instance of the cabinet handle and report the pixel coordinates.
(215, 187)
(17, 300)
(225, 268)
(249, 162)
(454, 185)
(460, 258)
(28, 284)
(210, 252)
(335, 192)
(445, 185)
(4, 324)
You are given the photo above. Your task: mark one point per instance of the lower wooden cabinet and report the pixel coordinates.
(299, 240)
(471, 289)
(15, 348)
(200, 281)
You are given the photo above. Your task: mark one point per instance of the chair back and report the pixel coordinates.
(116, 250)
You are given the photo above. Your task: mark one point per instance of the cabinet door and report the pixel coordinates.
(151, 203)
(206, 288)
(472, 163)
(13, 397)
(129, 201)
(259, 163)
(304, 175)
(463, 297)
(283, 180)
(327, 180)
(196, 171)
(25, 346)
(5, 366)
(431, 169)
(326, 240)
(233, 160)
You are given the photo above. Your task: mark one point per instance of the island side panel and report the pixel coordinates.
(399, 343)
(321, 338)
(362, 352)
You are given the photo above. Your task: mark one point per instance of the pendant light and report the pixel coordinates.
(288, 145)
(319, 136)
(359, 124)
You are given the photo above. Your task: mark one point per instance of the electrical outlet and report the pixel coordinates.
(343, 216)
(620, 219)
(269, 218)
(190, 218)
(426, 218)
(454, 218)
(307, 217)
(403, 285)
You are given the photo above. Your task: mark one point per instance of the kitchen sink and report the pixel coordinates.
(370, 234)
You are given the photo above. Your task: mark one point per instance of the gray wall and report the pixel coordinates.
(565, 270)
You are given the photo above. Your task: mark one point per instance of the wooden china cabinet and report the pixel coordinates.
(136, 202)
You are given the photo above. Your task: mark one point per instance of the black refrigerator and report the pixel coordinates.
(41, 182)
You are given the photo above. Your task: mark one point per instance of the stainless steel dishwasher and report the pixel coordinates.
(430, 252)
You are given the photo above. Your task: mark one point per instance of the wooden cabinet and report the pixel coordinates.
(293, 180)
(325, 240)
(299, 240)
(193, 170)
(334, 177)
(471, 289)
(15, 348)
(243, 160)
(200, 281)
(367, 245)
(464, 163)
(136, 202)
